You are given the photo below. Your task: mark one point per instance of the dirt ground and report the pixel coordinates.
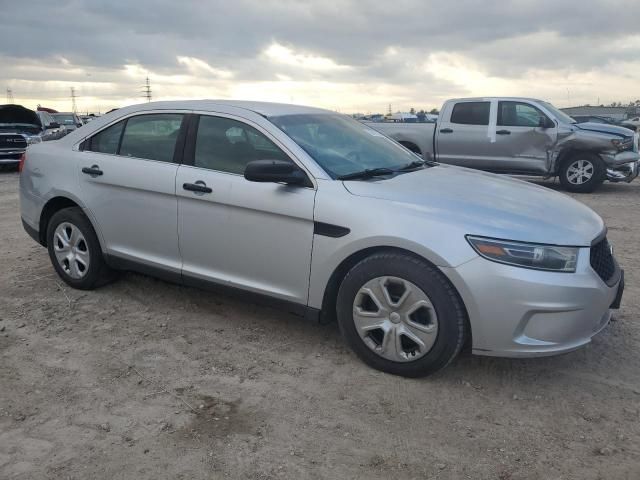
(146, 380)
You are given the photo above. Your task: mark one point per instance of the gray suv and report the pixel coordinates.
(316, 211)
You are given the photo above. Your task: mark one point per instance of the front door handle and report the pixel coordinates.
(198, 186)
(503, 132)
(94, 170)
(446, 130)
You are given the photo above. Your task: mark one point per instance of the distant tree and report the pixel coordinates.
(434, 111)
(412, 111)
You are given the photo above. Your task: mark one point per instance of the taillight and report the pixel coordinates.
(23, 157)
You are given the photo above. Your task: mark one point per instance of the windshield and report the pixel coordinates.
(342, 145)
(65, 119)
(559, 114)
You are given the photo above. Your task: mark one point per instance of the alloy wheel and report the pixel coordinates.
(71, 250)
(395, 319)
(580, 172)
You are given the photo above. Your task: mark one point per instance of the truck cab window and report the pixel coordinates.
(471, 113)
(518, 114)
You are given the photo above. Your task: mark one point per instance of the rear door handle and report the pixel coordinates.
(503, 132)
(94, 170)
(446, 130)
(198, 186)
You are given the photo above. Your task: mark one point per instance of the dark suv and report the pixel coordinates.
(20, 127)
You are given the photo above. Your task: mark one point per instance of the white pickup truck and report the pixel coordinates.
(522, 136)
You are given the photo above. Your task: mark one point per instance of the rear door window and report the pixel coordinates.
(471, 113)
(152, 137)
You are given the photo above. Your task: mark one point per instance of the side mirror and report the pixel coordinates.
(274, 171)
(53, 125)
(546, 122)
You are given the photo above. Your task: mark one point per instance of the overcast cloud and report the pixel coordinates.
(346, 55)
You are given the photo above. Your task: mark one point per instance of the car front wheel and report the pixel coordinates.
(401, 315)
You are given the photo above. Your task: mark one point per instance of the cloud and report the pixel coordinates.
(341, 54)
(280, 54)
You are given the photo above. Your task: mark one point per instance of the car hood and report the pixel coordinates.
(604, 128)
(10, 114)
(488, 205)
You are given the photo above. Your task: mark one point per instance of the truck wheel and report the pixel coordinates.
(400, 315)
(582, 173)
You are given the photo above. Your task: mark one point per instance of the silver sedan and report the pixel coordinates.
(317, 212)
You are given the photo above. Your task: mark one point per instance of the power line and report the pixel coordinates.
(9, 96)
(74, 107)
(146, 93)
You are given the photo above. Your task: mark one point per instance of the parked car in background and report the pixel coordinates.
(604, 120)
(319, 212)
(635, 121)
(54, 129)
(20, 127)
(523, 136)
(69, 120)
(87, 118)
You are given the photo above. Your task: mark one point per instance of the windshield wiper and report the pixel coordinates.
(412, 165)
(368, 173)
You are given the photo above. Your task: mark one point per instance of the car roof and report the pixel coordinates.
(266, 109)
(486, 99)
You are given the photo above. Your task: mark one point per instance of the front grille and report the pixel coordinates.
(602, 260)
(12, 141)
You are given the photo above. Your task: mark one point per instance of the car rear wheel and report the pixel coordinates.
(75, 251)
(582, 173)
(401, 315)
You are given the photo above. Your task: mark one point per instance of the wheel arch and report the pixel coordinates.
(328, 309)
(411, 146)
(54, 205)
(569, 152)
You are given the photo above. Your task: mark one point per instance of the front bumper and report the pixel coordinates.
(519, 312)
(11, 157)
(623, 166)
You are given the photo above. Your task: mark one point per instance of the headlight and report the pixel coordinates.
(528, 255)
(622, 144)
(32, 140)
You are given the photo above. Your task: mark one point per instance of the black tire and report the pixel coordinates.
(98, 272)
(450, 311)
(597, 178)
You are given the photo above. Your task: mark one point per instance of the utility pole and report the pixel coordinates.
(147, 90)
(74, 107)
(389, 109)
(9, 95)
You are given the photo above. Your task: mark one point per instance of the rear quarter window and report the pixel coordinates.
(107, 140)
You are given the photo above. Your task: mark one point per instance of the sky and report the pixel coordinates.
(345, 55)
